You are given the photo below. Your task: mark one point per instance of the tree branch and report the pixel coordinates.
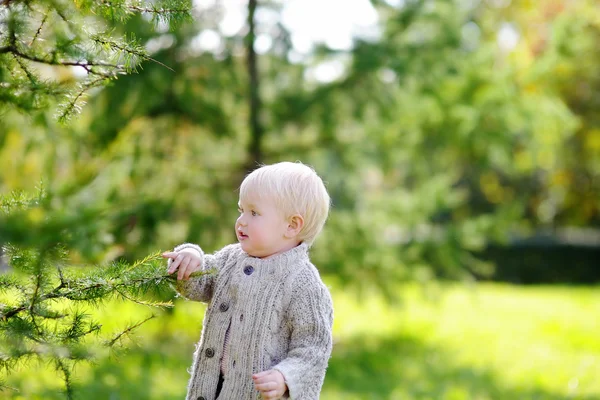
(150, 10)
(157, 10)
(256, 129)
(73, 103)
(37, 34)
(30, 76)
(87, 65)
(57, 293)
(138, 53)
(128, 330)
(66, 377)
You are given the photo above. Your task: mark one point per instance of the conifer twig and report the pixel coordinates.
(30, 76)
(147, 259)
(157, 10)
(149, 10)
(66, 377)
(135, 52)
(72, 105)
(3, 386)
(49, 61)
(37, 34)
(128, 330)
(57, 292)
(145, 303)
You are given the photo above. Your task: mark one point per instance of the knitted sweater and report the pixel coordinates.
(278, 315)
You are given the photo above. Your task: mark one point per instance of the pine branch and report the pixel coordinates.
(73, 105)
(77, 329)
(60, 276)
(75, 291)
(129, 50)
(33, 299)
(145, 303)
(39, 276)
(152, 10)
(180, 9)
(149, 258)
(87, 65)
(61, 9)
(37, 33)
(30, 76)
(66, 377)
(127, 331)
(8, 282)
(35, 292)
(159, 11)
(3, 387)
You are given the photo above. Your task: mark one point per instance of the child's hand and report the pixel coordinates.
(270, 384)
(186, 261)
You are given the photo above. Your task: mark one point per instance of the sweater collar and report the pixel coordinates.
(282, 260)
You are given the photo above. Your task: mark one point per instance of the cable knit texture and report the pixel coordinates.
(278, 315)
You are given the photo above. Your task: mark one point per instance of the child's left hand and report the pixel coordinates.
(270, 384)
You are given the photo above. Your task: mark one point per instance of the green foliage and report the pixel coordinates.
(42, 301)
(43, 319)
(67, 35)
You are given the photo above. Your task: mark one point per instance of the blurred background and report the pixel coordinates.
(460, 143)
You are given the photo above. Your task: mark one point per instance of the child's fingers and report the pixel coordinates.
(261, 374)
(169, 254)
(175, 264)
(265, 386)
(262, 379)
(192, 267)
(183, 267)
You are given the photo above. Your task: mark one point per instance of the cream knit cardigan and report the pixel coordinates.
(279, 315)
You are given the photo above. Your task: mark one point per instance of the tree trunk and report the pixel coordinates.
(256, 129)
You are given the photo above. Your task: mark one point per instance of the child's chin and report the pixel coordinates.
(251, 251)
(246, 247)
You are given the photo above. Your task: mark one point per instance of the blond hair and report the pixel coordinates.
(296, 189)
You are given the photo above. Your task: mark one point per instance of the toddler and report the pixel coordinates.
(267, 329)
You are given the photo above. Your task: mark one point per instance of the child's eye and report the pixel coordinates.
(240, 210)
(254, 213)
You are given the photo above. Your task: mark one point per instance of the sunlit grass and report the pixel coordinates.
(449, 342)
(484, 342)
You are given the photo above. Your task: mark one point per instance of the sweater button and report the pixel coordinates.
(224, 307)
(248, 269)
(209, 353)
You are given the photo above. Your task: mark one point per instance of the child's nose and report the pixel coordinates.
(241, 220)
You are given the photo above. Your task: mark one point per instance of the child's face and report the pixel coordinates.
(261, 227)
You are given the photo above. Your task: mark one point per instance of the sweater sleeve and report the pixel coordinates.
(201, 288)
(311, 316)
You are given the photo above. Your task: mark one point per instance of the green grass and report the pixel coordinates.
(487, 342)
(449, 342)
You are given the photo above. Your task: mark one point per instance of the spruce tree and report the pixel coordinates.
(56, 52)
(43, 300)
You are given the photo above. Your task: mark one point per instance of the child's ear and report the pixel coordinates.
(295, 225)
